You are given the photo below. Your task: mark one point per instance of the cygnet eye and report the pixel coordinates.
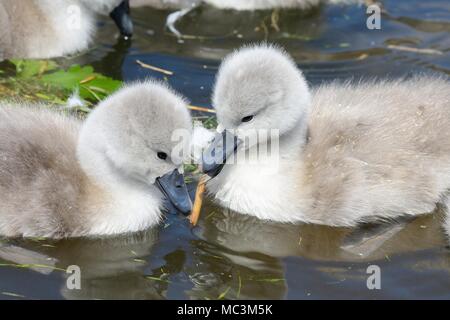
(162, 155)
(247, 119)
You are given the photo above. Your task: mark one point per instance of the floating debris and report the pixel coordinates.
(265, 30)
(210, 215)
(48, 246)
(288, 35)
(88, 79)
(173, 18)
(202, 109)
(156, 279)
(271, 280)
(148, 66)
(415, 50)
(274, 19)
(239, 286)
(195, 215)
(362, 56)
(223, 294)
(23, 258)
(12, 294)
(31, 266)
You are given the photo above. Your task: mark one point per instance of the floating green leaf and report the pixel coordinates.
(31, 68)
(91, 85)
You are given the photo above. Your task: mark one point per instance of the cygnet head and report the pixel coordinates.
(136, 139)
(259, 87)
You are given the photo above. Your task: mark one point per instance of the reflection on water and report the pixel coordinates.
(233, 256)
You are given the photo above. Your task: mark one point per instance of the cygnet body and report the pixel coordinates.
(48, 28)
(236, 4)
(348, 152)
(61, 177)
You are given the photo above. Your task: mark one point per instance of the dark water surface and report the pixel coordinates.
(233, 256)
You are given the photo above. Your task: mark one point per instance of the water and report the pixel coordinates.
(230, 255)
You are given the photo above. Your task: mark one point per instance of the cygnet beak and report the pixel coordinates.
(174, 188)
(221, 148)
(121, 16)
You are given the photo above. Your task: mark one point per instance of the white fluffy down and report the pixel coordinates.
(201, 138)
(356, 152)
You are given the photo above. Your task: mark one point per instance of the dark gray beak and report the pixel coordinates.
(121, 16)
(217, 153)
(172, 185)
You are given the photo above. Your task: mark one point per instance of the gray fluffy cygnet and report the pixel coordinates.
(49, 28)
(62, 177)
(348, 152)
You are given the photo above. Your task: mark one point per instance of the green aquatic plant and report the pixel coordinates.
(45, 81)
(92, 86)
